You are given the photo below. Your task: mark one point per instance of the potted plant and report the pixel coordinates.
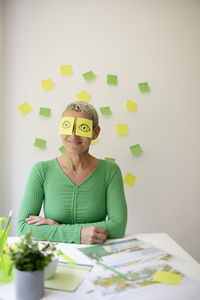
(29, 263)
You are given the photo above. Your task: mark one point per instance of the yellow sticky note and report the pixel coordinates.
(168, 277)
(65, 70)
(129, 179)
(130, 105)
(47, 84)
(83, 96)
(95, 141)
(122, 129)
(25, 108)
(84, 127)
(66, 125)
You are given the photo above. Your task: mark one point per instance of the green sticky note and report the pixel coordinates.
(105, 110)
(62, 149)
(136, 149)
(110, 159)
(112, 79)
(40, 143)
(46, 112)
(167, 277)
(144, 87)
(89, 75)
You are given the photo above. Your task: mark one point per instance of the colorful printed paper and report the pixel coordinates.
(122, 129)
(95, 141)
(83, 96)
(66, 126)
(84, 127)
(112, 79)
(129, 179)
(65, 70)
(144, 87)
(47, 84)
(62, 149)
(136, 149)
(110, 159)
(40, 143)
(105, 110)
(25, 108)
(168, 277)
(89, 75)
(44, 111)
(130, 105)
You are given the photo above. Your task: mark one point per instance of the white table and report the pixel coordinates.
(186, 264)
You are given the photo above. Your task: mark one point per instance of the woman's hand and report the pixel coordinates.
(37, 220)
(93, 235)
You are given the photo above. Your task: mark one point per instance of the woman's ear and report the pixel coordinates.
(96, 132)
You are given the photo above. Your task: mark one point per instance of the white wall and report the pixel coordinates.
(144, 40)
(1, 78)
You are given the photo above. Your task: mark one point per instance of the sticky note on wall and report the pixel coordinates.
(144, 87)
(136, 149)
(130, 105)
(105, 110)
(62, 149)
(83, 96)
(45, 112)
(122, 129)
(47, 84)
(112, 79)
(40, 143)
(65, 70)
(89, 75)
(25, 108)
(129, 179)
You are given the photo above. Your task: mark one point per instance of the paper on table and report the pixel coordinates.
(130, 105)
(83, 96)
(67, 277)
(112, 79)
(144, 87)
(65, 70)
(25, 108)
(129, 179)
(84, 127)
(122, 129)
(44, 111)
(105, 110)
(89, 75)
(47, 84)
(40, 143)
(167, 277)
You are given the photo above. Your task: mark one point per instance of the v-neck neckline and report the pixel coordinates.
(90, 175)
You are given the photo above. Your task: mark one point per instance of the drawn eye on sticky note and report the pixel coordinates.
(84, 127)
(66, 125)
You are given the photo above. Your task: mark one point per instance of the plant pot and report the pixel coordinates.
(29, 285)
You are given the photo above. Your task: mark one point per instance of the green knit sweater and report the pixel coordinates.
(99, 201)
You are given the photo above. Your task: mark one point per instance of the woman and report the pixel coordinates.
(83, 197)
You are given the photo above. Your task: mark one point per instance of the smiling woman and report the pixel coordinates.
(83, 196)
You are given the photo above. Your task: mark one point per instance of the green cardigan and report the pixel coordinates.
(99, 201)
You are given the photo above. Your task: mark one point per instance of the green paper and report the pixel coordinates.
(136, 149)
(105, 110)
(46, 112)
(89, 75)
(144, 87)
(110, 159)
(67, 277)
(112, 79)
(40, 143)
(62, 149)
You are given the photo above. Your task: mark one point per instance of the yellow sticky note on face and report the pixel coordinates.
(122, 129)
(84, 127)
(25, 108)
(130, 105)
(66, 125)
(47, 84)
(65, 70)
(83, 96)
(168, 277)
(129, 179)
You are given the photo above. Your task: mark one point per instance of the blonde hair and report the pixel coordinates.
(84, 107)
